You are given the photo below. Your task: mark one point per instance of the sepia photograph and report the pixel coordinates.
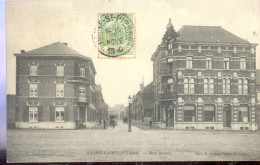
(132, 80)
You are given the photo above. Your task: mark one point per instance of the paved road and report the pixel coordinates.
(117, 144)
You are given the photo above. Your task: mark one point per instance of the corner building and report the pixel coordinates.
(204, 78)
(54, 88)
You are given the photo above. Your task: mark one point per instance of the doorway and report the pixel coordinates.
(227, 116)
(82, 114)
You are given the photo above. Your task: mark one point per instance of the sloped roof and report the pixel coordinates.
(56, 48)
(258, 76)
(207, 34)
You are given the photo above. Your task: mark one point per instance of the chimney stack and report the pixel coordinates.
(22, 51)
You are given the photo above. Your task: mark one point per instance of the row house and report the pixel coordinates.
(142, 104)
(204, 78)
(55, 87)
(258, 98)
(102, 107)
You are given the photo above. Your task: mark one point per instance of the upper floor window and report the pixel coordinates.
(226, 63)
(189, 85)
(209, 85)
(242, 86)
(82, 72)
(208, 62)
(33, 70)
(243, 63)
(33, 90)
(59, 90)
(189, 62)
(170, 46)
(33, 114)
(226, 86)
(82, 91)
(60, 70)
(258, 97)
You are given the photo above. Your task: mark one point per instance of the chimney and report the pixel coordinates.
(65, 44)
(22, 51)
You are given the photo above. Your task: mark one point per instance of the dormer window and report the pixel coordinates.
(33, 70)
(82, 72)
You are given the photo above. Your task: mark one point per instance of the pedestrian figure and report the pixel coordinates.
(114, 120)
(150, 123)
(105, 123)
(77, 123)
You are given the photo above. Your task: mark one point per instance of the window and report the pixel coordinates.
(192, 85)
(179, 48)
(211, 86)
(226, 86)
(82, 72)
(59, 114)
(208, 62)
(186, 85)
(189, 62)
(82, 94)
(189, 113)
(206, 85)
(33, 70)
(245, 86)
(33, 90)
(240, 86)
(33, 114)
(226, 63)
(169, 46)
(60, 70)
(243, 63)
(258, 97)
(209, 113)
(243, 113)
(59, 90)
(219, 49)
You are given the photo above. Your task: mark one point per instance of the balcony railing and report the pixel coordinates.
(167, 95)
(82, 100)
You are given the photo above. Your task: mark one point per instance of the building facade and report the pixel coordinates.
(258, 98)
(204, 78)
(142, 104)
(10, 111)
(54, 88)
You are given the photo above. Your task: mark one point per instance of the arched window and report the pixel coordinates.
(224, 86)
(211, 85)
(240, 86)
(192, 81)
(186, 85)
(228, 86)
(245, 88)
(206, 85)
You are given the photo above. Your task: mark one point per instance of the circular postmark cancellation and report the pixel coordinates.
(116, 34)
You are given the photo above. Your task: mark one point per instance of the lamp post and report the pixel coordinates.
(129, 115)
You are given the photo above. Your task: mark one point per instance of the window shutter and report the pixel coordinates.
(40, 113)
(66, 111)
(52, 113)
(26, 114)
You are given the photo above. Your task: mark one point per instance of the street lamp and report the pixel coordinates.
(129, 115)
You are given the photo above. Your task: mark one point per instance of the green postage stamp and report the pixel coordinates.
(116, 35)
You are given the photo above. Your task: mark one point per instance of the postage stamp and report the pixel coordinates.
(116, 35)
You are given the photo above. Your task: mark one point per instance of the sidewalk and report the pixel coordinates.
(144, 126)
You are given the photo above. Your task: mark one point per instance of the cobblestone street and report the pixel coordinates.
(117, 144)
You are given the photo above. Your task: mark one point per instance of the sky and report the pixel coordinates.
(32, 24)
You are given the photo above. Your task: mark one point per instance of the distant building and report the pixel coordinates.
(10, 111)
(101, 106)
(204, 78)
(142, 104)
(258, 97)
(54, 88)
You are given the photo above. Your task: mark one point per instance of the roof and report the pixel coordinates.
(55, 49)
(147, 96)
(208, 34)
(257, 76)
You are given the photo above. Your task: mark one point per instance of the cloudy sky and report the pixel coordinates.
(34, 23)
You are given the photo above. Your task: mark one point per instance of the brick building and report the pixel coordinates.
(54, 88)
(10, 111)
(204, 78)
(142, 104)
(258, 97)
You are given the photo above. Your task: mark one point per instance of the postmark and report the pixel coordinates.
(116, 35)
